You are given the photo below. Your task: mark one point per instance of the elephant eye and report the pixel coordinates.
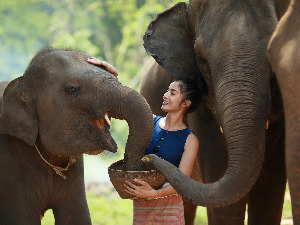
(201, 59)
(71, 89)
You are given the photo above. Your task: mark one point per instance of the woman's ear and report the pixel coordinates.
(187, 103)
(18, 117)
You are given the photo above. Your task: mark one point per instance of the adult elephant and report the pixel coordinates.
(222, 46)
(52, 115)
(284, 55)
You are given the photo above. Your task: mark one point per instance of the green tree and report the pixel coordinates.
(111, 30)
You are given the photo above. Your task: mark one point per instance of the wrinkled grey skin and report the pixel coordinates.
(284, 55)
(153, 86)
(222, 46)
(58, 104)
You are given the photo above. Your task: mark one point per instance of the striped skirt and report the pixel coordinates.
(166, 210)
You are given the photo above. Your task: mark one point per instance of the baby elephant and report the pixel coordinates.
(53, 114)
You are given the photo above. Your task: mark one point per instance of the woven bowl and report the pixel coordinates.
(118, 176)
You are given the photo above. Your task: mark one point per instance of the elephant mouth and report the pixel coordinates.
(105, 139)
(104, 123)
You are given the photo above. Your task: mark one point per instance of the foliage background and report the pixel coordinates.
(111, 30)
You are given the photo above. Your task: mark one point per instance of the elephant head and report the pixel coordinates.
(211, 42)
(62, 101)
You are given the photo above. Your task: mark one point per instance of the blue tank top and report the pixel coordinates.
(168, 145)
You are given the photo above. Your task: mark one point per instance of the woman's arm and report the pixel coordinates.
(189, 155)
(144, 190)
(108, 66)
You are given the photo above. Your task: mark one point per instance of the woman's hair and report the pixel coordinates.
(190, 91)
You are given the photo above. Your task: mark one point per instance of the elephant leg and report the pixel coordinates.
(189, 212)
(72, 213)
(267, 196)
(72, 209)
(15, 207)
(19, 216)
(233, 214)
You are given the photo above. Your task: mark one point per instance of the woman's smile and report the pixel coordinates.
(165, 103)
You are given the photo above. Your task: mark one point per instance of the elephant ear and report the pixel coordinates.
(18, 117)
(168, 40)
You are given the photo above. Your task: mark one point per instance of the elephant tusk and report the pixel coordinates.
(267, 124)
(221, 129)
(107, 119)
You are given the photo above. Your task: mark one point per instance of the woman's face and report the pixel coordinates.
(173, 98)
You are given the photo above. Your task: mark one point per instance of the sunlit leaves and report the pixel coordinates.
(111, 30)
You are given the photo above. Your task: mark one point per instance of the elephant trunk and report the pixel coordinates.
(125, 103)
(242, 106)
(242, 96)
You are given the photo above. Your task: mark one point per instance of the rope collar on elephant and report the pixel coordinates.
(58, 170)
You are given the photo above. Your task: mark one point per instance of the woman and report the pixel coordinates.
(173, 141)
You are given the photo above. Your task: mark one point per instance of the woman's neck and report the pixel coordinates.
(173, 121)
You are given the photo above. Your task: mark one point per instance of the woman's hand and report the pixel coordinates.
(109, 67)
(144, 190)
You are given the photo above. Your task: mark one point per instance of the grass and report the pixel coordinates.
(110, 209)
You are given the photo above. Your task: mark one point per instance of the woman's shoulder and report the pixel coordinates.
(188, 130)
(156, 118)
(192, 138)
(191, 144)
